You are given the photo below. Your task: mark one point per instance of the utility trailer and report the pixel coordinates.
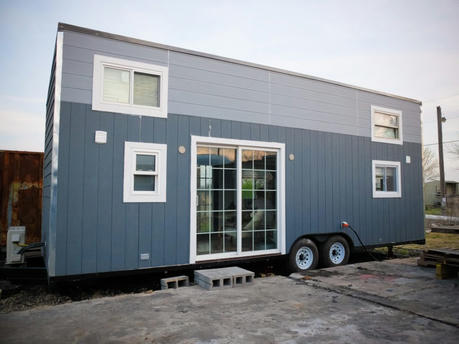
(158, 156)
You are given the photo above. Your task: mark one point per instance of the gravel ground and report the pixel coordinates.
(30, 298)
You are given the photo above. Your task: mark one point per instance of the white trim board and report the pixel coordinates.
(239, 144)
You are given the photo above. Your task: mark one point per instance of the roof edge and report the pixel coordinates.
(80, 29)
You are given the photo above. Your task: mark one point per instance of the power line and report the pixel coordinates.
(441, 98)
(448, 119)
(431, 144)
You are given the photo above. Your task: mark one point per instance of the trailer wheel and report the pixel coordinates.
(304, 255)
(335, 251)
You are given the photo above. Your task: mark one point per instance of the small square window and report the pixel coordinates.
(129, 87)
(386, 179)
(144, 172)
(386, 125)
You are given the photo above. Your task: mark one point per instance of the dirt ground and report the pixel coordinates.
(394, 301)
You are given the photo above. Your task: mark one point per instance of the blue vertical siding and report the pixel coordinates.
(183, 183)
(328, 181)
(105, 197)
(47, 158)
(170, 226)
(118, 208)
(76, 172)
(90, 196)
(145, 209)
(131, 220)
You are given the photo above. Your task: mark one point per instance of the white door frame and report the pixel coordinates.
(240, 145)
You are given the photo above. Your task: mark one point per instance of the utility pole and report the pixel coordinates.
(440, 121)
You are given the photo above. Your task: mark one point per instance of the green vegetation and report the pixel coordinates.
(433, 211)
(247, 187)
(433, 241)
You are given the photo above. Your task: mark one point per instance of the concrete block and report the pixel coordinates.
(222, 283)
(210, 275)
(223, 278)
(242, 280)
(174, 282)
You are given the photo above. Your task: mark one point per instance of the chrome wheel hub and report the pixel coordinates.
(337, 253)
(304, 258)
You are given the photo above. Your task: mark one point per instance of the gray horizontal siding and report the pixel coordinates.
(219, 67)
(329, 181)
(206, 87)
(217, 89)
(109, 46)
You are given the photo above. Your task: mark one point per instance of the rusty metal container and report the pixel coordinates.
(21, 180)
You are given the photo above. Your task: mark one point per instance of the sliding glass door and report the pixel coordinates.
(237, 196)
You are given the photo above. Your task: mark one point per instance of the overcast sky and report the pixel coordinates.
(409, 48)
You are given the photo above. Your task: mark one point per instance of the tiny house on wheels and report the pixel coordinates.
(158, 156)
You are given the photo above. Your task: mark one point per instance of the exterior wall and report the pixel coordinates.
(207, 87)
(326, 126)
(329, 181)
(47, 158)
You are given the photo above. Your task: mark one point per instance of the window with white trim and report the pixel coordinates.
(145, 167)
(386, 179)
(129, 87)
(386, 125)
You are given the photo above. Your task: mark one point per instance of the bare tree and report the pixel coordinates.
(429, 165)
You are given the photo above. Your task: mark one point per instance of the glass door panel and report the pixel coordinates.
(259, 199)
(216, 200)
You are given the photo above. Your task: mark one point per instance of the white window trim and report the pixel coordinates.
(130, 151)
(393, 112)
(99, 104)
(387, 194)
(241, 144)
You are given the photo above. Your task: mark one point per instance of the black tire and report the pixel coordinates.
(334, 247)
(304, 248)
